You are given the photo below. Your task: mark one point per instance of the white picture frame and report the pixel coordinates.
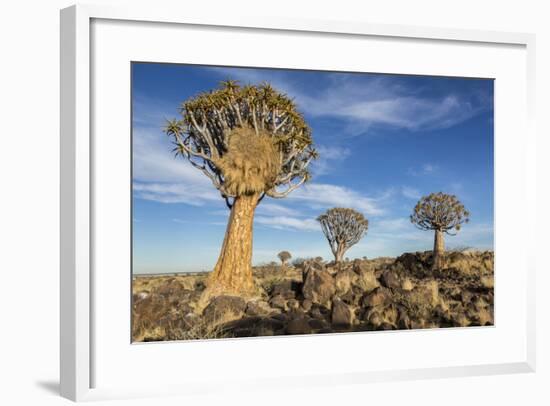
(77, 188)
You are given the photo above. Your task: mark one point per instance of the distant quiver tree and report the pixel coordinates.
(284, 256)
(251, 142)
(343, 228)
(442, 213)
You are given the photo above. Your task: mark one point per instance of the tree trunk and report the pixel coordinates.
(340, 251)
(233, 271)
(439, 250)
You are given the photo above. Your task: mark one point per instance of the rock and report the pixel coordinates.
(485, 317)
(170, 288)
(344, 281)
(403, 321)
(375, 319)
(319, 312)
(460, 319)
(360, 267)
(367, 281)
(140, 296)
(407, 285)
(224, 308)
(411, 262)
(258, 308)
(293, 304)
(390, 280)
(306, 305)
(488, 282)
(342, 316)
(298, 326)
(319, 287)
(283, 317)
(318, 324)
(377, 297)
(279, 302)
(428, 292)
(284, 288)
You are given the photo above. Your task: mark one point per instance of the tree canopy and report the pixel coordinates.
(246, 139)
(440, 212)
(343, 228)
(284, 256)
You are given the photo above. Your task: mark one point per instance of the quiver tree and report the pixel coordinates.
(284, 256)
(251, 142)
(343, 228)
(442, 213)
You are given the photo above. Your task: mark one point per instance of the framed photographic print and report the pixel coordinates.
(339, 196)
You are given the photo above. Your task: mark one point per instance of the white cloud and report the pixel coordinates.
(424, 169)
(428, 168)
(328, 157)
(160, 176)
(372, 100)
(175, 193)
(211, 223)
(410, 193)
(274, 209)
(325, 196)
(281, 222)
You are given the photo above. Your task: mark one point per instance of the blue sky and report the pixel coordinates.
(384, 141)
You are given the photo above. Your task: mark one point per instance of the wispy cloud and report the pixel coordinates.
(274, 209)
(424, 169)
(159, 176)
(372, 100)
(288, 223)
(410, 193)
(210, 223)
(175, 193)
(328, 157)
(319, 195)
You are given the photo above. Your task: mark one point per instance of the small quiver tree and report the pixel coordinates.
(251, 142)
(284, 256)
(442, 213)
(343, 228)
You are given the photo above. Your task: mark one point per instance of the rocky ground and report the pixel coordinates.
(318, 297)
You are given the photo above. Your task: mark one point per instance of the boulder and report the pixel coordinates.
(284, 288)
(344, 281)
(293, 304)
(488, 282)
(378, 297)
(367, 281)
(427, 293)
(318, 324)
(390, 279)
(298, 325)
(407, 285)
(258, 308)
(319, 287)
(485, 317)
(342, 315)
(224, 308)
(170, 287)
(278, 302)
(306, 305)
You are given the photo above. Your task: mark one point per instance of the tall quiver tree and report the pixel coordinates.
(343, 228)
(442, 213)
(251, 142)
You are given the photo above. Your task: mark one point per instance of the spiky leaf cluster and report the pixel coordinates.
(209, 120)
(440, 212)
(284, 256)
(343, 227)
